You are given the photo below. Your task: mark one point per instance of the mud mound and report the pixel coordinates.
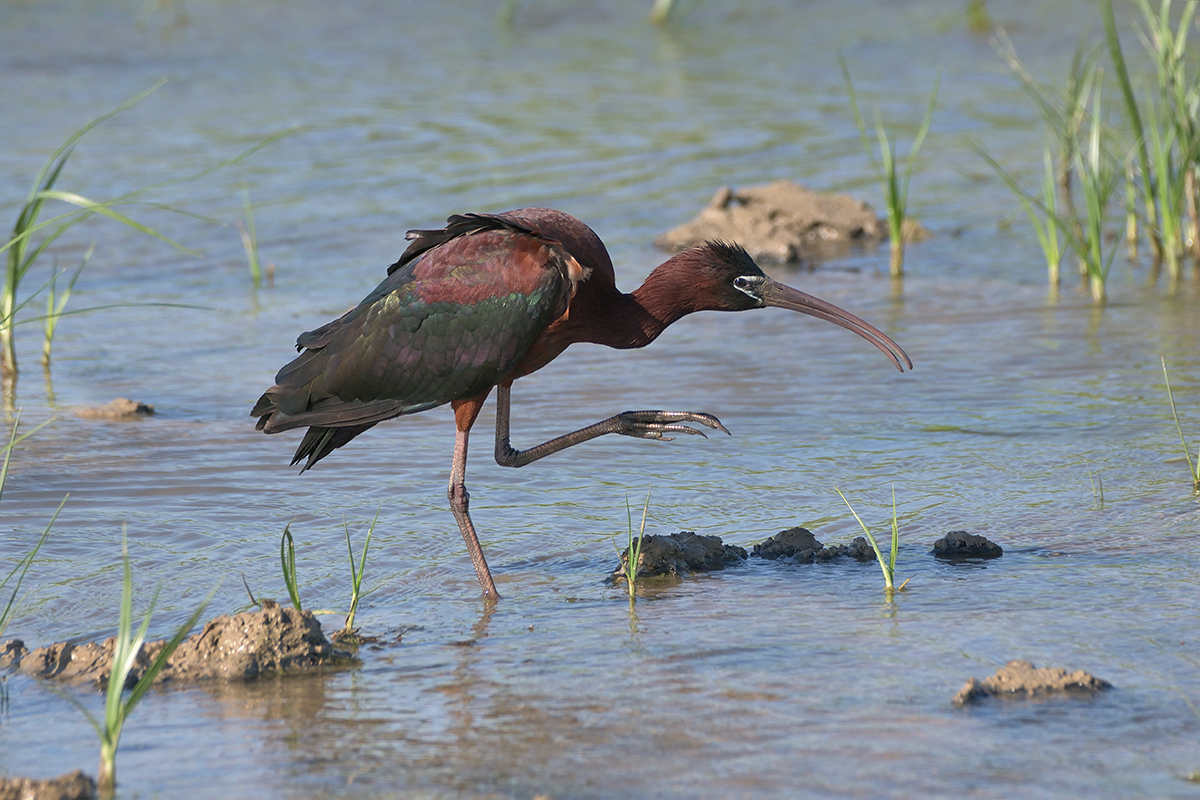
(959, 545)
(72, 786)
(782, 221)
(243, 646)
(799, 543)
(681, 553)
(121, 408)
(1021, 679)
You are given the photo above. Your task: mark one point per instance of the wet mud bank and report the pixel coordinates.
(272, 640)
(72, 786)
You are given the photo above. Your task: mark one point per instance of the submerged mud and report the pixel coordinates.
(959, 545)
(679, 554)
(119, 409)
(272, 640)
(1021, 679)
(800, 545)
(72, 786)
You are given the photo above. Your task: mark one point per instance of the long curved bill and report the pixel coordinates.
(777, 295)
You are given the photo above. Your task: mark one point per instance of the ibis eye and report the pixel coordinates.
(742, 283)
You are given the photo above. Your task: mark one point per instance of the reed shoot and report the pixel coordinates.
(356, 575)
(250, 240)
(894, 186)
(888, 565)
(57, 301)
(20, 255)
(1042, 210)
(128, 646)
(1098, 178)
(1135, 123)
(1193, 466)
(1180, 98)
(1097, 487)
(287, 559)
(633, 552)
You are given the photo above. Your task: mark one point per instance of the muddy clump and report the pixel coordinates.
(120, 409)
(960, 545)
(782, 221)
(242, 646)
(1021, 679)
(800, 544)
(681, 553)
(72, 786)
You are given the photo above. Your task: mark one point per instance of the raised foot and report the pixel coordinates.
(657, 424)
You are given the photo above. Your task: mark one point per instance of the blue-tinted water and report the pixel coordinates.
(769, 680)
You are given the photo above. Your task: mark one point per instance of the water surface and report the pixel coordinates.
(769, 680)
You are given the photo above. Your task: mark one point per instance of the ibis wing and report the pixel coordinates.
(447, 325)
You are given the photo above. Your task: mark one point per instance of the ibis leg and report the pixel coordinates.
(460, 500)
(639, 424)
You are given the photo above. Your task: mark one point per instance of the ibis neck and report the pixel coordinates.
(637, 319)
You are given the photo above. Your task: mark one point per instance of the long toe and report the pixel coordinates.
(655, 424)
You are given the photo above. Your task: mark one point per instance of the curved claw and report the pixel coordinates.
(654, 424)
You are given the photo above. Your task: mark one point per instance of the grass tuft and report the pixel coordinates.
(56, 302)
(894, 186)
(250, 239)
(888, 565)
(633, 553)
(356, 576)
(23, 253)
(127, 648)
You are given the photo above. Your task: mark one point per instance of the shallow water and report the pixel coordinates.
(768, 680)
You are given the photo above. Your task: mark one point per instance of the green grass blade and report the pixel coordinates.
(65, 148)
(1131, 110)
(23, 567)
(250, 239)
(287, 558)
(1187, 453)
(105, 307)
(883, 565)
(858, 118)
(895, 535)
(105, 209)
(924, 129)
(160, 661)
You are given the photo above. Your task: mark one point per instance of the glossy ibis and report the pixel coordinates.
(493, 297)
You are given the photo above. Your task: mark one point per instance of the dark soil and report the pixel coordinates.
(72, 786)
(272, 640)
(800, 544)
(681, 553)
(960, 545)
(1021, 679)
(119, 409)
(783, 222)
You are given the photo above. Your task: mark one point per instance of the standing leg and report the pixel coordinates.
(465, 412)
